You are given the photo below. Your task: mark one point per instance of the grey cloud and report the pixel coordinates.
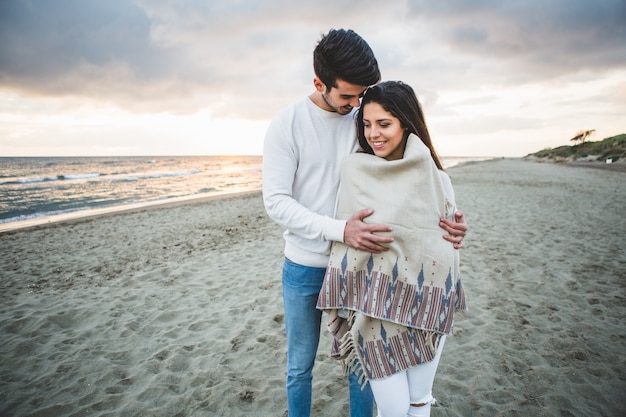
(154, 55)
(88, 48)
(252, 57)
(42, 38)
(550, 38)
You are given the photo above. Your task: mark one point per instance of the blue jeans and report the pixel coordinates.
(301, 287)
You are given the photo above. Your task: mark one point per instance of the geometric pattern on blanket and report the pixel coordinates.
(392, 325)
(376, 349)
(411, 303)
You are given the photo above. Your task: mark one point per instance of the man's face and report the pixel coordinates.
(343, 98)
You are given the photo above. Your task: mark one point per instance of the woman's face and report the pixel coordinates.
(383, 132)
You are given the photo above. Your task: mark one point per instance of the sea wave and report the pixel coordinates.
(50, 178)
(100, 176)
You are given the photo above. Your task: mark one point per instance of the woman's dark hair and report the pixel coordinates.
(400, 100)
(343, 55)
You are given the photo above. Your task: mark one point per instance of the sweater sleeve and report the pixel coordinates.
(280, 165)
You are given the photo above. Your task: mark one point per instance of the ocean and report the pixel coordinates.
(37, 187)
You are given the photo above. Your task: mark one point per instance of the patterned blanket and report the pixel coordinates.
(388, 311)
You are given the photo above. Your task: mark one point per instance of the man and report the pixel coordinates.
(303, 150)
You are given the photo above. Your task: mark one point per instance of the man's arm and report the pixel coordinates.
(282, 161)
(361, 236)
(456, 230)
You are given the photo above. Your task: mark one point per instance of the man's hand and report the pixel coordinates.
(359, 235)
(456, 231)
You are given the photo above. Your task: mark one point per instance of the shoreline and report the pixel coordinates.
(80, 215)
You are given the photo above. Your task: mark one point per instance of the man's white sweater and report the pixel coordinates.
(302, 153)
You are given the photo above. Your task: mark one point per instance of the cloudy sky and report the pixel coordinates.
(186, 77)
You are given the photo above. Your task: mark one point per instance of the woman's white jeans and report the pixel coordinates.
(395, 394)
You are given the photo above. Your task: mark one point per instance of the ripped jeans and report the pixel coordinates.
(399, 394)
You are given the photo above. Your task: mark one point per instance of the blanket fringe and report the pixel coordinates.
(347, 353)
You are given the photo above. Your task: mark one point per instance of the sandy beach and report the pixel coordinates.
(176, 310)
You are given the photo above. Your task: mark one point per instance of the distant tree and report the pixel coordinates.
(582, 135)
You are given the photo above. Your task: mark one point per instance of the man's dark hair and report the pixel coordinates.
(342, 54)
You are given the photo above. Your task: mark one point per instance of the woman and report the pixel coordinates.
(390, 312)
